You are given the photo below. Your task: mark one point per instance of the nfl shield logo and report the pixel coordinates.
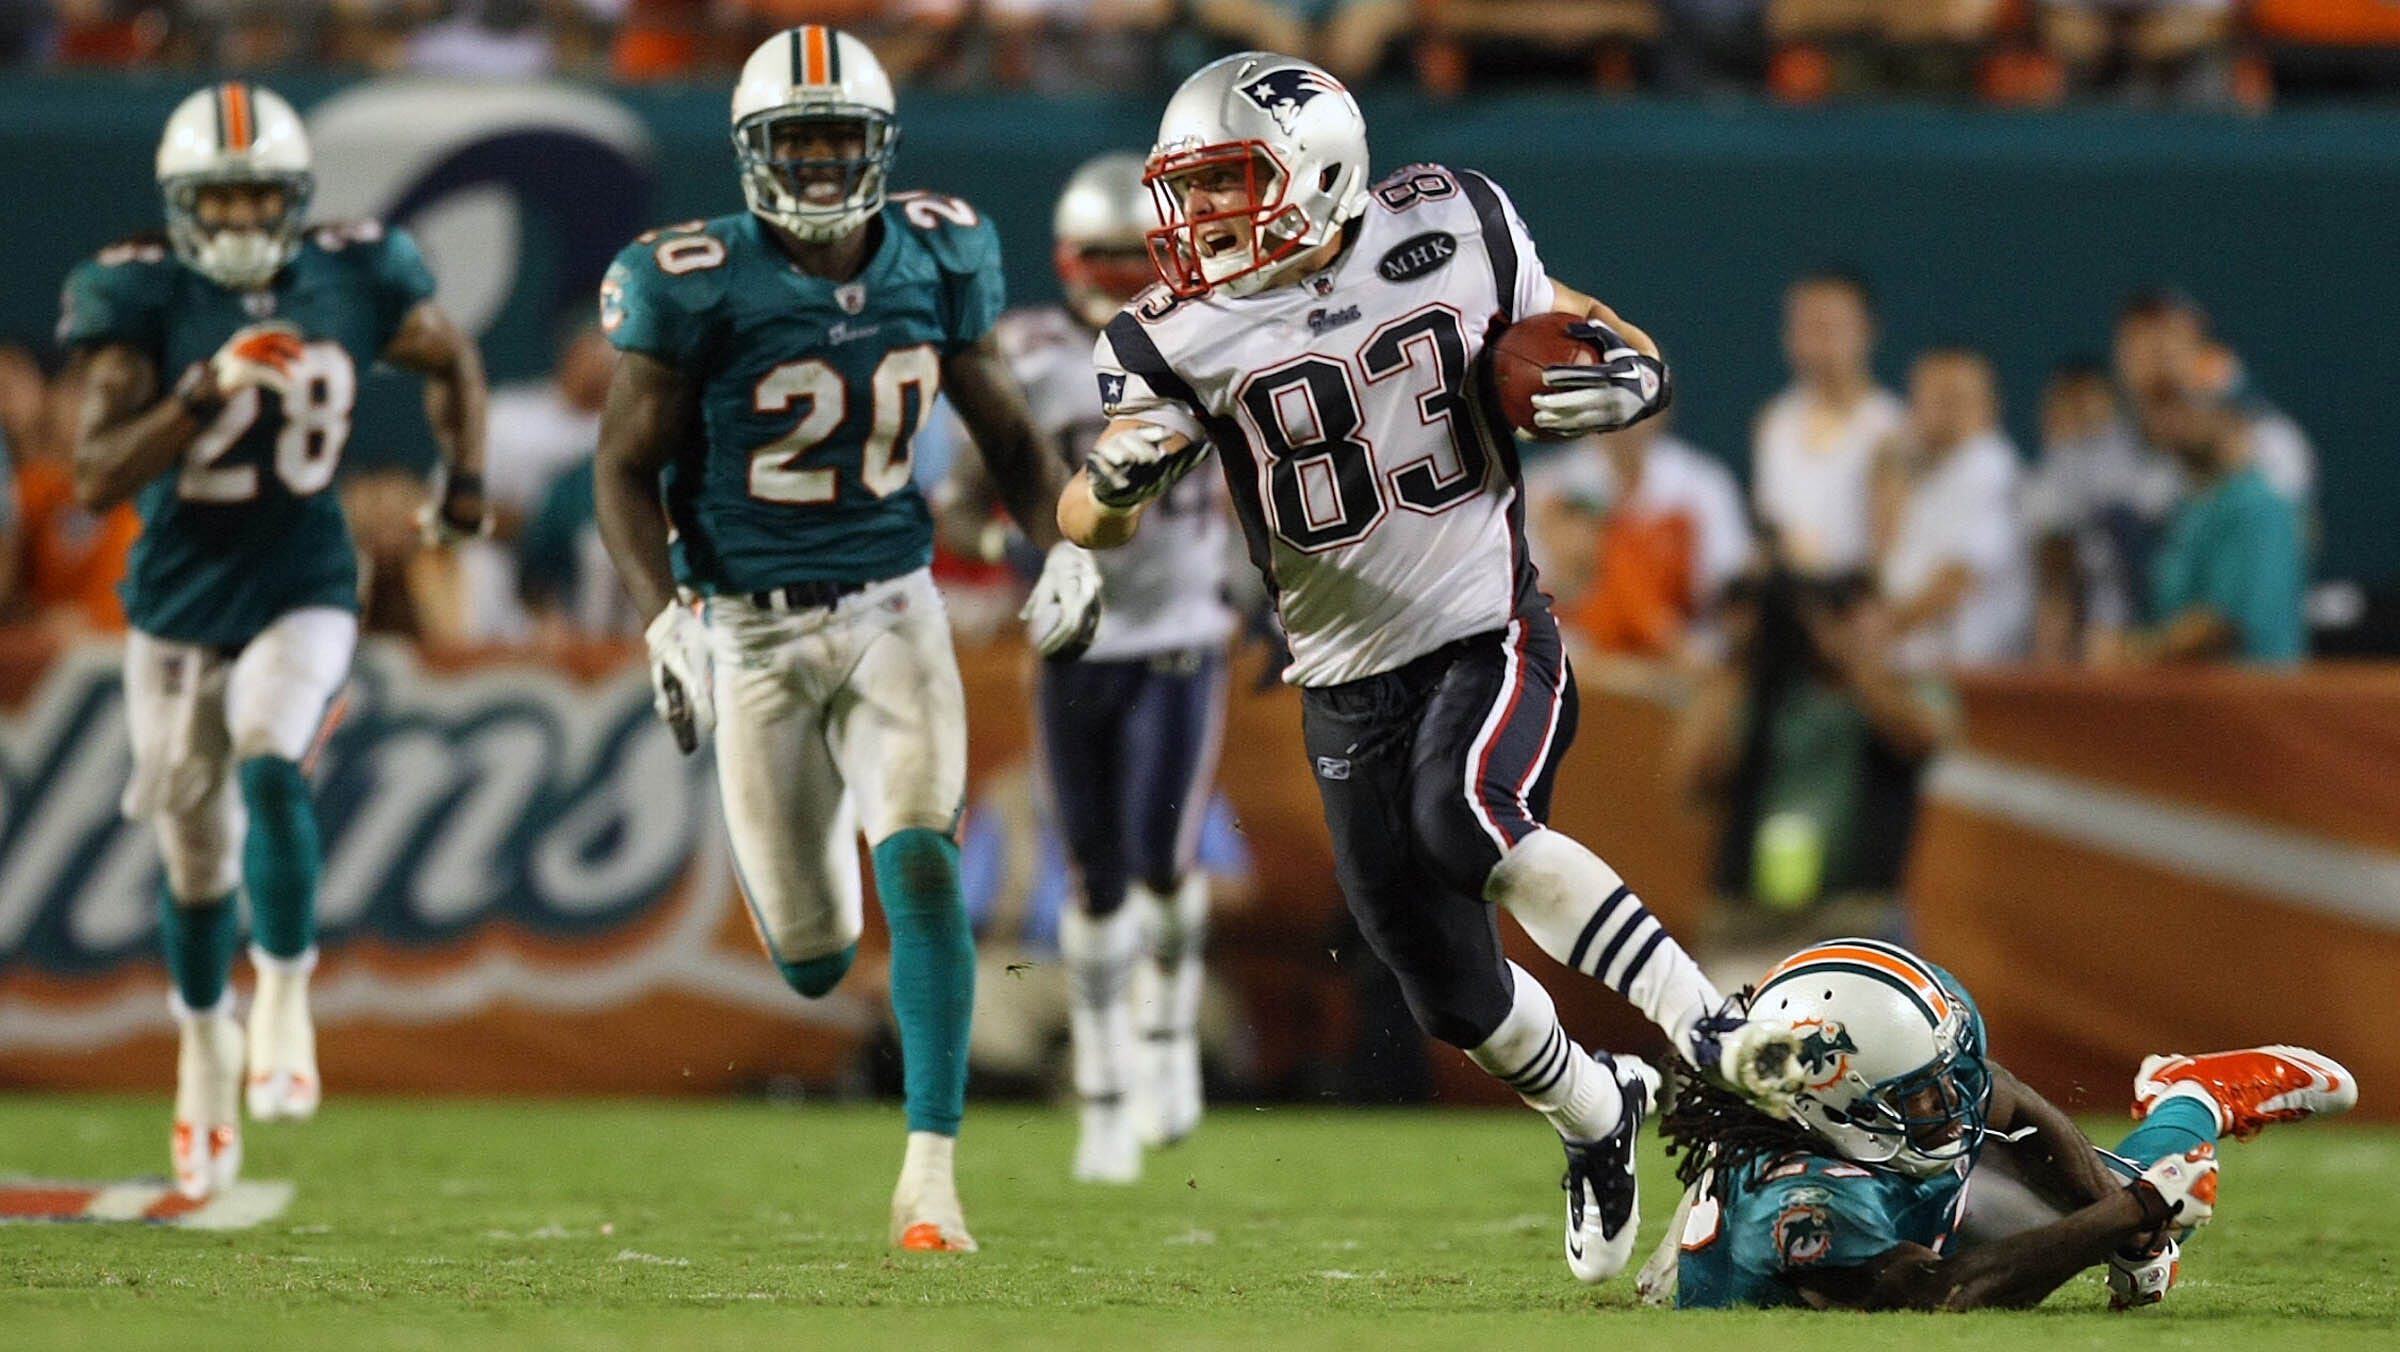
(851, 297)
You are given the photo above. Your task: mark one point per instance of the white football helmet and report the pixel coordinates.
(1297, 137)
(234, 133)
(1099, 224)
(814, 74)
(1892, 1051)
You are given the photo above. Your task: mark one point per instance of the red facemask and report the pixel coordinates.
(1175, 245)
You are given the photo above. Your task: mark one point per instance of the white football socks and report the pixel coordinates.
(1100, 955)
(1174, 931)
(1166, 1003)
(1531, 1053)
(1581, 913)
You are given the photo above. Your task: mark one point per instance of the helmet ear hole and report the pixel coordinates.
(1325, 179)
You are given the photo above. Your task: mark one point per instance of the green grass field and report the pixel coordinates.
(614, 1225)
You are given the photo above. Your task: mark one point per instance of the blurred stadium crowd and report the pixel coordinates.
(2010, 52)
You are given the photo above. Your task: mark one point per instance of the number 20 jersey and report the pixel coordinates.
(243, 527)
(810, 391)
(1376, 487)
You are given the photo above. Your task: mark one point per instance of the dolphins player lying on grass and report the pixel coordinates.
(1861, 1201)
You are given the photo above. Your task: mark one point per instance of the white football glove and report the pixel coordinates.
(2187, 1183)
(1064, 611)
(262, 356)
(2142, 1278)
(681, 675)
(1131, 465)
(1758, 1059)
(1624, 388)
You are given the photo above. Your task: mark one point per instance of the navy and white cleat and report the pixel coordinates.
(1603, 1193)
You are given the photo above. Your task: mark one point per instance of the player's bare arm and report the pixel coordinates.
(650, 409)
(2018, 1272)
(1063, 611)
(2057, 1158)
(1573, 302)
(1025, 471)
(962, 515)
(127, 434)
(432, 345)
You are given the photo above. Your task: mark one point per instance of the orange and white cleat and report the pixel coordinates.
(2249, 1088)
(207, 1144)
(926, 1216)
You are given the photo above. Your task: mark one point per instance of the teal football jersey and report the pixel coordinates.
(811, 391)
(1784, 1218)
(244, 527)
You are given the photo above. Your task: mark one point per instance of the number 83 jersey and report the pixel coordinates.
(810, 391)
(243, 528)
(1378, 492)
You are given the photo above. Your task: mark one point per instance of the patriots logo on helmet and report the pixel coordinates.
(1283, 93)
(1825, 1050)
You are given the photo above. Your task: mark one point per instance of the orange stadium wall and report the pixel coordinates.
(2124, 865)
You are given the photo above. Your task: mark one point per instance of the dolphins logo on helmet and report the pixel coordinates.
(1825, 1050)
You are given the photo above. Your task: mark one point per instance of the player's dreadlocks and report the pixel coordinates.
(1713, 1128)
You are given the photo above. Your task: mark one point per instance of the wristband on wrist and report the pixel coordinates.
(462, 483)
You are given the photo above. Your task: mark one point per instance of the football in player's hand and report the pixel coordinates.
(1518, 356)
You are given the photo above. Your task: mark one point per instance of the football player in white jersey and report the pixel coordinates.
(1130, 731)
(1321, 331)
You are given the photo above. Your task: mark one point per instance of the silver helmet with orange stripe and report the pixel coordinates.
(814, 125)
(234, 167)
(1892, 1050)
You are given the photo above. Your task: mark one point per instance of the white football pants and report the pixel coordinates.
(830, 721)
(194, 715)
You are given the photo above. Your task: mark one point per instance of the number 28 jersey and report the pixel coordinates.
(243, 528)
(811, 391)
(1377, 489)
